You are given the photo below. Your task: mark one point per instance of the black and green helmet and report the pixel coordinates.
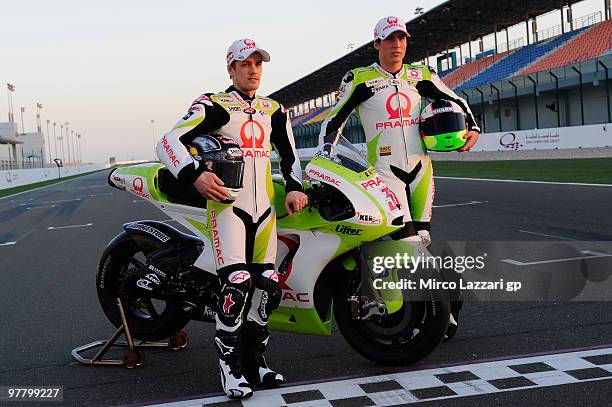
(443, 126)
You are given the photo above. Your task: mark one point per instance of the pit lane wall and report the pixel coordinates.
(15, 178)
(589, 136)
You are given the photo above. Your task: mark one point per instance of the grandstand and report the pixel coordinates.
(558, 77)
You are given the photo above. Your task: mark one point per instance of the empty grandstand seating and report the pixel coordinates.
(319, 117)
(299, 120)
(518, 60)
(465, 72)
(594, 41)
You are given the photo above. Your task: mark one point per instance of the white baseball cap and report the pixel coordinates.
(387, 25)
(241, 49)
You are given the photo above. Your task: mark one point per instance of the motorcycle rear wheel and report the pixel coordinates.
(148, 319)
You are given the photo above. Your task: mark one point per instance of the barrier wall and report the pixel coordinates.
(595, 135)
(15, 178)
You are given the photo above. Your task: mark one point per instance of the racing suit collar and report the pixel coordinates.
(381, 70)
(245, 97)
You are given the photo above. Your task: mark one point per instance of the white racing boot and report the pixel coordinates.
(235, 385)
(255, 340)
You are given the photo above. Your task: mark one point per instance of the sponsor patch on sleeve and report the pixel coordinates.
(203, 100)
(415, 75)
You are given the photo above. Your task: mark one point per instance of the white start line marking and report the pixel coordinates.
(520, 373)
(459, 204)
(593, 255)
(69, 227)
(110, 193)
(544, 234)
(15, 242)
(51, 202)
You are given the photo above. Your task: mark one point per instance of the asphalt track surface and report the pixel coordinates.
(49, 303)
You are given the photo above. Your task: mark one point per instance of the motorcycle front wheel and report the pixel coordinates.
(401, 338)
(149, 319)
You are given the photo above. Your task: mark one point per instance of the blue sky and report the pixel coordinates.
(110, 67)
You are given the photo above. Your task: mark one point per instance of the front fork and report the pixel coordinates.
(366, 302)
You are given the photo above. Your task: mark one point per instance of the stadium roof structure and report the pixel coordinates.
(446, 26)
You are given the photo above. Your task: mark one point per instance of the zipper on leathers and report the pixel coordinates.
(399, 107)
(254, 216)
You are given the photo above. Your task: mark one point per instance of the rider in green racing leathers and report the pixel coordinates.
(386, 96)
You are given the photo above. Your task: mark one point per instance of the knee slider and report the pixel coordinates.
(271, 294)
(233, 296)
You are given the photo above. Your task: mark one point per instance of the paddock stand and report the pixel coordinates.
(133, 356)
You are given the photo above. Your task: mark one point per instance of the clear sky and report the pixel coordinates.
(110, 67)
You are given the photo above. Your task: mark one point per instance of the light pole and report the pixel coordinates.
(22, 127)
(154, 141)
(74, 151)
(55, 139)
(79, 144)
(10, 89)
(68, 142)
(48, 141)
(62, 140)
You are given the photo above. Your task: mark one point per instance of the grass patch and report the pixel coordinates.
(22, 188)
(587, 170)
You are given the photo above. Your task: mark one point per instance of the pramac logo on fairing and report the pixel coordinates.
(257, 135)
(398, 106)
(137, 188)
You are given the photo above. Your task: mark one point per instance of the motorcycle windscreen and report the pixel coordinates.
(350, 157)
(230, 172)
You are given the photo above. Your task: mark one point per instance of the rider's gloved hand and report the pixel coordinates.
(325, 151)
(211, 187)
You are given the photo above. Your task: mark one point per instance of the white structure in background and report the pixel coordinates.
(33, 152)
(8, 136)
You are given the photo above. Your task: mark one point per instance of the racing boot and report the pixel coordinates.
(235, 385)
(425, 237)
(255, 339)
(453, 320)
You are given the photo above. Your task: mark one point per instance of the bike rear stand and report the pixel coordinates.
(133, 356)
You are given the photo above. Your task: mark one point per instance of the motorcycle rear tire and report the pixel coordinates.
(112, 264)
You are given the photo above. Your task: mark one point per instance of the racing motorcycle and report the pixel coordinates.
(324, 262)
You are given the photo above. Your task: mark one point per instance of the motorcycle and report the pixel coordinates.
(324, 262)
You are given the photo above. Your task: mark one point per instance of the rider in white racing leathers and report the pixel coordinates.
(243, 232)
(387, 97)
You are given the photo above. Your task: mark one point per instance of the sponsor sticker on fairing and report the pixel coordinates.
(320, 175)
(367, 219)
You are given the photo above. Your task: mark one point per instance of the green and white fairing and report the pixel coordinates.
(309, 240)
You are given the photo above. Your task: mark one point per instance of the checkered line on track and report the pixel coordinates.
(431, 384)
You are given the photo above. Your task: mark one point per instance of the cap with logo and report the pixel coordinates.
(388, 25)
(241, 49)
